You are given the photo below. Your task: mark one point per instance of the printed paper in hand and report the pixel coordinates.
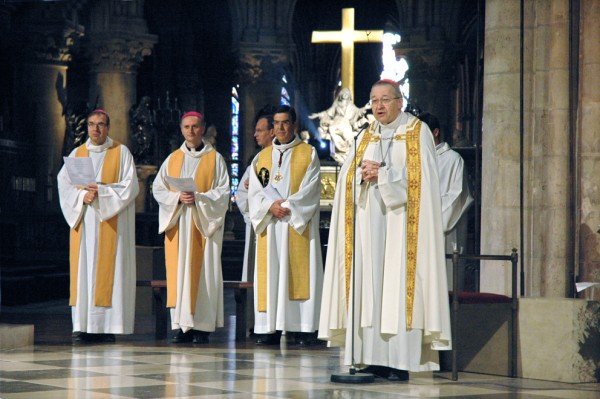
(80, 170)
(185, 184)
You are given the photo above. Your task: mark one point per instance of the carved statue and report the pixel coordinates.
(143, 132)
(76, 129)
(340, 122)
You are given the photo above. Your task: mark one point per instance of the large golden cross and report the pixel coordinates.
(347, 37)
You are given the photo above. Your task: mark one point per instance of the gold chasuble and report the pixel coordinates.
(413, 168)
(299, 244)
(205, 174)
(107, 236)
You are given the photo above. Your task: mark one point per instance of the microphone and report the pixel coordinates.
(362, 128)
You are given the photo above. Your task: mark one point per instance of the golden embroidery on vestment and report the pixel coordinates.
(413, 166)
(349, 207)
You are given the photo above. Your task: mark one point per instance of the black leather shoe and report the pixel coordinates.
(268, 339)
(306, 339)
(180, 337)
(108, 338)
(377, 371)
(397, 375)
(200, 337)
(80, 337)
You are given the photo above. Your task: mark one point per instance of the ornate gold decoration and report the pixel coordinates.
(349, 207)
(413, 166)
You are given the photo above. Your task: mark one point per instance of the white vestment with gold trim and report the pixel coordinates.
(381, 334)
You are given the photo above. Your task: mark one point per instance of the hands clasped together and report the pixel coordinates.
(370, 170)
(187, 197)
(277, 210)
(92, 193)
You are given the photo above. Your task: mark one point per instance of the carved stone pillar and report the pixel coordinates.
(546, 152)
(117, 43)
(44, 42)
(589, 158)
(431, 74)
(265, 48)
(260, 75)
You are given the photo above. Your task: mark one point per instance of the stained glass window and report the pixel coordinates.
(235, 142)
(392, 68)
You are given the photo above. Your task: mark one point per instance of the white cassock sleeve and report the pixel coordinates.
(169, 207)
(211, 206)
(71, 197)
(241, 198)
(305, 202)
(114, 198)
(456, 199)
(258, 202)
(393, 185)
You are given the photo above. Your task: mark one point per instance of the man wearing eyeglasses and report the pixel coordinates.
(387, 220)
(193, 219)
(101, 215)
(284, 196)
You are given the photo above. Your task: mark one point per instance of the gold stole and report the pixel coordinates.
(349, 206)
(413, 166)
(205, 174)
(299, 244)
(107, 236)
(413, 204)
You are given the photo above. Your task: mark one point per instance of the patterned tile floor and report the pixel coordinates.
(137, 366)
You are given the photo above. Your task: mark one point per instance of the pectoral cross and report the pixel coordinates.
(347, 37)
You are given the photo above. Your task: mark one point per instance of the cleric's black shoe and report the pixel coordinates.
(200, 337)
(306, 339)
(79, 337)
(269, 339)
(397, 375)
(106, 338)
(180, 337)
(377, 371)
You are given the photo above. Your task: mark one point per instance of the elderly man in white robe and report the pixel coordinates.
(101, 215)
(456, 197)
(192, 191)
(284, 209)
(401, 310)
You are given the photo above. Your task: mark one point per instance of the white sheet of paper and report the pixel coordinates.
(80, 170)
(584, 285)
(271, 193)
(184, 184)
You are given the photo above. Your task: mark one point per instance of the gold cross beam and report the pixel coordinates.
(347, 37)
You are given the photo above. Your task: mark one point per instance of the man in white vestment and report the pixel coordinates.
(284, 209)
(456, 197)
(400, 301)
(101, 215)
(263, 134)
(192, 191)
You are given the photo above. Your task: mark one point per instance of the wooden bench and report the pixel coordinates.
(159, 292)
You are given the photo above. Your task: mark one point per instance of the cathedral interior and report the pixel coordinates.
(513, 83)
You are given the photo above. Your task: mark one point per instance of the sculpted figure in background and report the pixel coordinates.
(340, 122)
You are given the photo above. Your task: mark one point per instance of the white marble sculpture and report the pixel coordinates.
(340, 123)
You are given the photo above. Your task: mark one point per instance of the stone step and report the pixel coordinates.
(15, 335)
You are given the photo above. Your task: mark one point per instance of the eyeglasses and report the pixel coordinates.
(92, 125)
(385, 101)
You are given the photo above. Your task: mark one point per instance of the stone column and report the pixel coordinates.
(44, 42)
(546, 150)
(117, 43)
(588, 122)
(431, 74)
(500, 142)
(260, 75)
(547, 158)
(265, 47)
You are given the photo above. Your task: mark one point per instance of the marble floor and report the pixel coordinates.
(137, 366)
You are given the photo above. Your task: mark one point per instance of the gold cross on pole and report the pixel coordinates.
(347, 37)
